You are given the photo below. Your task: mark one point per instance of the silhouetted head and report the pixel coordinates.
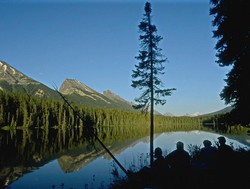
(158, 152)
(180, 145)
(222, 140)
(207, 143)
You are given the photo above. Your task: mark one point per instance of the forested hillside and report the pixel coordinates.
(22, 110)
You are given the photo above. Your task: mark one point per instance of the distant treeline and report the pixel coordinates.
(22, 110)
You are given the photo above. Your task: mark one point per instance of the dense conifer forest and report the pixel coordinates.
(19, 110)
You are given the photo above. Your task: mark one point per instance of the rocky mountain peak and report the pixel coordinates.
(13, 80)
(70, 86)
(73, 86)
(109, 94)
(13, 76)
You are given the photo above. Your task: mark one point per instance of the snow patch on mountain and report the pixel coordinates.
(193, 114)
(13, 76)
(101, 98)
(4, 68)
(13, 70)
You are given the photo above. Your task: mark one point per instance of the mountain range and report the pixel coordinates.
(81, 94)
(12, 80)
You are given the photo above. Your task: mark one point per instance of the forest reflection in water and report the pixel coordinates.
(56, 160)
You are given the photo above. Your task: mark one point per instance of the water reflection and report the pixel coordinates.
(168, 140)
(77, 164)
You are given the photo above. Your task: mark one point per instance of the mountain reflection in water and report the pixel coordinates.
(79, 165)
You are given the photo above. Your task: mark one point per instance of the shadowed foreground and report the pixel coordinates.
(232, 173)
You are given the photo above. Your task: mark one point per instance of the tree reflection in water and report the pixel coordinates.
(42, 158)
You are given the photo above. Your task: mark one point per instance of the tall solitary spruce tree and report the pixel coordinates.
(232, 29)
(150, 65)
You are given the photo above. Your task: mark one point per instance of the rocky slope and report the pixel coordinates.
(79, 93)
(12, 80)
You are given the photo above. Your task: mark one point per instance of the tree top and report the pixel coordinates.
(147, 8)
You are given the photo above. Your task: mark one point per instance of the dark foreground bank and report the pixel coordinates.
(233, 172)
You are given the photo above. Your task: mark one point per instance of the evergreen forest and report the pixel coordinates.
(22, 111)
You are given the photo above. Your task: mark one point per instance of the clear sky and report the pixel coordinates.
(96, 41)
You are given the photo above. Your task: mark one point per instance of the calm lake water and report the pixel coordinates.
(78, 168)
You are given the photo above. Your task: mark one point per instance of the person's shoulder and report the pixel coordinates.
(173, 152)
(214, 149)
(229, 147)
(203, 149)
(170, 154)
(184, 152)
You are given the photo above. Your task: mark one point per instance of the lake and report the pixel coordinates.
(26, 165)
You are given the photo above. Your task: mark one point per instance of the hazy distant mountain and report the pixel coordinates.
(222, 111)
(168, 114)
(193, 114)
(12, 80)
(187, 114)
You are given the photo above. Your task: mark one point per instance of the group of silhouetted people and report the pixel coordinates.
(177, 168)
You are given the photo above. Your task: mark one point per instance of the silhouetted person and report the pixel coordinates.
(159, 159)
(224, 148)
(155, 174)
(226, 162)
(179, 161)
(208, 155)
(159, 168)
(225, 152)
(207, 164)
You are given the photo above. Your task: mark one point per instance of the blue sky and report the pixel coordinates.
(96, 41)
